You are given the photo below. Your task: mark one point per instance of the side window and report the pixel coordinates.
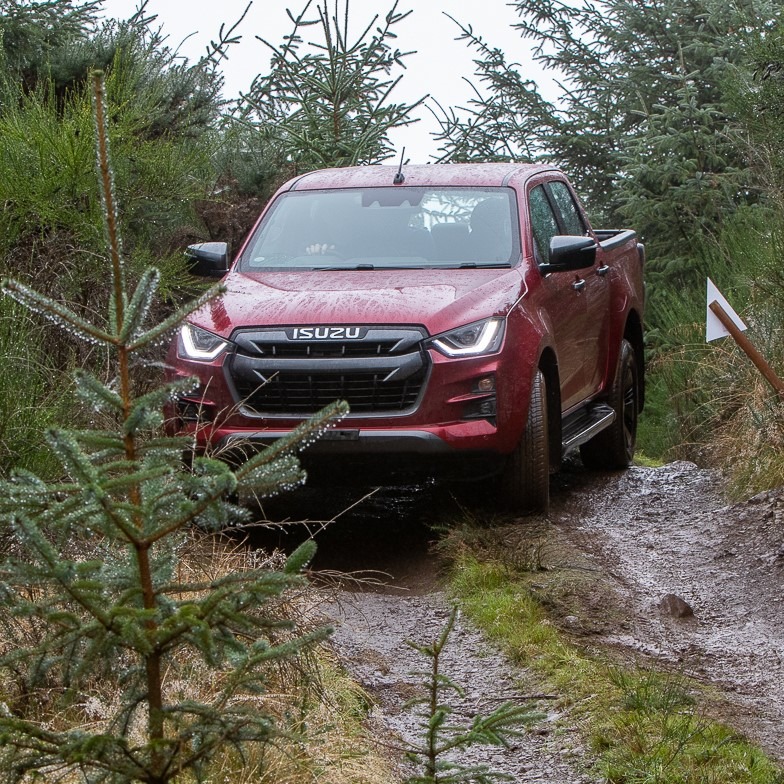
(543, 222)
(570, 213)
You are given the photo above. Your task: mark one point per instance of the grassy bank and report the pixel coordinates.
(639, 723)
(320, 712)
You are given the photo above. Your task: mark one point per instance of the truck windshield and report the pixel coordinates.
(387, 228)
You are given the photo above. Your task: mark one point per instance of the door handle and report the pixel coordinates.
(603, 270)
(578, 285)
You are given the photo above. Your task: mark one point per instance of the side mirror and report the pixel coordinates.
(209, 259)
(569, 252)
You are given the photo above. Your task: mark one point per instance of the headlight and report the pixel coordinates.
(481, 337)
(197, 343)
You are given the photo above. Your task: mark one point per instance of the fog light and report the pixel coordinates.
(486, 384)
(480, 409)
(191, 411)
(487, 408)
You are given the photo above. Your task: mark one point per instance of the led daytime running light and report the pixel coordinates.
(487, 342)
(189, 338)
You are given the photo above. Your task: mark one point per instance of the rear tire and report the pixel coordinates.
(614, 447)
(526, 477)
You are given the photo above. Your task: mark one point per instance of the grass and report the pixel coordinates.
(707, 402)
(319, 712)
(323, 737)
(32, 392)
(642, 724)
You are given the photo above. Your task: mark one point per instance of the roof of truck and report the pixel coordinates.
(455, 174)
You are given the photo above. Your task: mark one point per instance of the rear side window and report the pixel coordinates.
(570, 214)
(543, 222)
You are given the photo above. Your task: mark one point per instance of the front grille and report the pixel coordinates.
(359, 348)
(384, 372)
(299, 394)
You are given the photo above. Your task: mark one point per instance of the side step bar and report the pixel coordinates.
(583, 425)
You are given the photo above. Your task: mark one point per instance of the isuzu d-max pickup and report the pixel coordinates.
(474, 321)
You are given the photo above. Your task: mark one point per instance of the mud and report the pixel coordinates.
(382, 588)
(649, 533)
(668, 531)
(371, 639)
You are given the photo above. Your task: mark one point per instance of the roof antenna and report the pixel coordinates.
(400, 178)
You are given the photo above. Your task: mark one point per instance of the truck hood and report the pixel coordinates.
(437, 299)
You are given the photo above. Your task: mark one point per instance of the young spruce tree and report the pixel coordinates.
(92, 604)
(437, 755)
(326, 102)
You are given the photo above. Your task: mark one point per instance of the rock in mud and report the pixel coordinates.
(676, 606)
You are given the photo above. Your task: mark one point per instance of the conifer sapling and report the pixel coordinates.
(92, 603)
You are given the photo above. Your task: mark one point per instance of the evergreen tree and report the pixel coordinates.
(58, 42)
(435, 754)
(166, 115)
(757, 95)
(326, 102)
(92, 603)
(506, 120)
(35, 35)
(642, 122)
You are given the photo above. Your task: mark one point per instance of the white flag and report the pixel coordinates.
(714, 329)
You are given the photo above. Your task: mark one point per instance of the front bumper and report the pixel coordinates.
(468, 408)
(379, 456)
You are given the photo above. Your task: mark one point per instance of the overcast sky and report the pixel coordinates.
(438, 67)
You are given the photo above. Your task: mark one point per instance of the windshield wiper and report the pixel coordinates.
(480, 265)
(455, 265)
(340, 267)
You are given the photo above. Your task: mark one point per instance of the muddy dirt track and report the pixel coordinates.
(652, 534)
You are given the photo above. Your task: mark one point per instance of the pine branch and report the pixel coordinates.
(57, 313)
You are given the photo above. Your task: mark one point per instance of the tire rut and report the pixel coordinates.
(668, 531)
(650, 531)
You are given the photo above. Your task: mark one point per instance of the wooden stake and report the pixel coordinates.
(748, 348)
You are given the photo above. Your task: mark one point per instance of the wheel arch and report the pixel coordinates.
(633, 333)
(548, 364)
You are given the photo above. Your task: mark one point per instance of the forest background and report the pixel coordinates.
(667, 118)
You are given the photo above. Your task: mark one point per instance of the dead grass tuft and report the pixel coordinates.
(319, 712)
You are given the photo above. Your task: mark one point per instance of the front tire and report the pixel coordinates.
(613, 448)
(526, 477)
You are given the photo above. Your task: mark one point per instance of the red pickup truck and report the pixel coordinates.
(475, 323)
